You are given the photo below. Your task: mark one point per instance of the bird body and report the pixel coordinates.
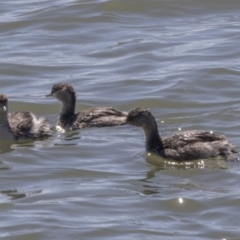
(196, 144)
(21, 125)
(92, 117)
(182, 146)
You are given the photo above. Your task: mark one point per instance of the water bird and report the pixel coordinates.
(21, 125)
(182, 146)
(92, 117)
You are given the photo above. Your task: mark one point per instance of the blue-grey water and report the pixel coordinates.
(180, 59)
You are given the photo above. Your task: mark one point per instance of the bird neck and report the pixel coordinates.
(5, 130)
(67, 112)
(153, 142)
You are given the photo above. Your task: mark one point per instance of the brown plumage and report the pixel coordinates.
(21, 125)
(182, 146)
(92, 117)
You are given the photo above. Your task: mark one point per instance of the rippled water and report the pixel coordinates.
(180, 59)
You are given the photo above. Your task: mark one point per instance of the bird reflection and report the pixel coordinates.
(163, 164)
(5, 146)
(157, 164)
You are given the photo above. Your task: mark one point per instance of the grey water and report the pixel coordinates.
(180, 59)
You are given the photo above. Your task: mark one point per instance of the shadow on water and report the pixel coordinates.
(4, 166)
(15, 195)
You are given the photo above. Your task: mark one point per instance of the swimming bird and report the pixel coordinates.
(21, 125)
(92, 117)
(182, 146)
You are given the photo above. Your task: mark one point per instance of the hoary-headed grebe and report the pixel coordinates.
(92, 117)
(21, 125)
(182, 146)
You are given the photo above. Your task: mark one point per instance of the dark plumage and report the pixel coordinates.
(92, 117)
(183, 146)
(21, 125)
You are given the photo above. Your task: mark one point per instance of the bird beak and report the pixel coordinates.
(49, 95)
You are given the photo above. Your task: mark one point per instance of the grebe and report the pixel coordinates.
(92, 117)
(182, 146)
(21, 125)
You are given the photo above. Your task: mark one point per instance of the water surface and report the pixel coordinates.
(179, 59)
